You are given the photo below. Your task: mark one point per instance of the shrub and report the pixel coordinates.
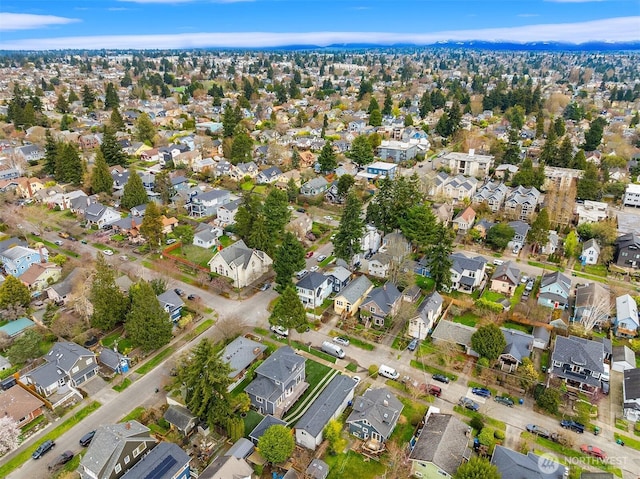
(373, 371)
(549, 400)
(476, 423)
(486, 438)
(499, 435)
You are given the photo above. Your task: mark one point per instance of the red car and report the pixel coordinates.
(309, 254)
(593, 451)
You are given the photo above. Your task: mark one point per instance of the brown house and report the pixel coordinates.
(22, 406)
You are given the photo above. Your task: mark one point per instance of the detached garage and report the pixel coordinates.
(623, 358)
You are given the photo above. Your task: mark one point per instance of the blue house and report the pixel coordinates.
(554, 291)
(18, 259)
(382, 169)
(165, 461)
(172, 304)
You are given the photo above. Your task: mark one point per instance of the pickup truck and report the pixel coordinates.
(574, 426)
(540, 431)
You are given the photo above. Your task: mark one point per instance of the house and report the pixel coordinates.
(67, 366)
(181, 419)
(590, 252)
(483, 226)
(270, 175)
(318, 469)
(622, 358)
(578, 362)
(15, 328)
(467, 274)
(456, 188)
(241, 449)
(339, 277)
(348, 301)
(168, 224)
(381, 169)
(591, 212)
(226, 213)
(313, 289)
(379, 265)
(441, 447)
(227, 467)
(206, 236)
(381, 303)
(631, 394)
(100, 215)
(28, 187)
(397, 151)
(300, 226)
(240, 263)
(244, 170)
(464, 221)
(40, 275)
(514, 464)
(593, 304)
(541, 337)
(492, 193)
(554, 291)
(172, 304)
(20, 405)
(631, 195)
(203, 204)
(426, 315)
(279, 382)
(61, 292)
(375, 415)
(443, 212)
(115, 448)
(628, 251)
(521, 230)
(240, 354)
(468, 164)
(505, 278)
(330, 404)
(315, 186)
(626, 323)
(165, 461)
(454, 333)
(263, 425)
(18, 259)
(519, 346)
(113, 361)
(371, 240)
(553, 242)
(521, 203)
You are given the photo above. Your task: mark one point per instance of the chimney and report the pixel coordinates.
(42, 260)
(472, 151)
(386, 403)
(127, 426)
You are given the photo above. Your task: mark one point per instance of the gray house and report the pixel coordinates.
(514, 464)
(519, 346)
(202, 204)
(340, 277)
(426, 315)
(263, 425)
(521, 231)
(181, 419)
(240, 354)
(374, 415)
(381, 303)
(315, 186)
(579, 362)
(279, 382)
(330, 404)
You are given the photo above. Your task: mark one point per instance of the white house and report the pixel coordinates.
(240, 264)
(631, 394)
(590, 252)
(313, 289)
(626, 323)
(467, 273)
(426, 315)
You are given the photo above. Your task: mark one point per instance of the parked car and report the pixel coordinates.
(441, 378)
(193, 297)
(356, 379)
(309, 254)
(524, 279)
(321, 258)
(503, 400)
(341, 340)
(301, 210)
(469, 404)
(87, 438)
(314, 268)
(63, 458)
(301, 274)
(43, 448)
(413, 344)
(279, 330)
(171, 240)
(58, 242)
(107, 252)
(574, 426)
(179, 292)
(540, 431)
(63, 234)
(83, 241)
(529, 285)
(265, 286)
(71, 238)
(593, 451)
(482, 392)
(432, 389)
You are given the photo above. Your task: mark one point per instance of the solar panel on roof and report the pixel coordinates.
(161, 469)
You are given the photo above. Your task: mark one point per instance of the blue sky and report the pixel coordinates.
(50, 24)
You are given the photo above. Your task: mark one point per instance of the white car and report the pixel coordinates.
(279, 330)
(107, 252)
(321, 258)
(328, 218)
(315, 267)
(356, 379)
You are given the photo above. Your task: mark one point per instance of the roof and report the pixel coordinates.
(179, 416)
(171, 299)
(13, 328)
(237, 254)
(514, 464)
(241, 448)
(453, 332)
(460, 262)
(590, 294)
(340, 273)
(519, 344)
(17, 252)
(227, 467)
(431, 302)
(356, 289)
(11, 242)
(623, 353)
(630, 239)
(379, 407)
(280, 364)
(631, 385)
(326, 404)
(240, 353)
(592, 243)
(556, 278)
(468, 215)
(265, 424)
(318, 469)
(110, 358)
(509, 270)
(35, 270)
(312, 281)
(65, 286)
(626, 307)
(164, 461)
(18, 403)
(520, 227)
(384, 296)
(443, 442)
(579, 351)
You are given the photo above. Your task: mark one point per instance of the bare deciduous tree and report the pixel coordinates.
(231, 326)
(9, 435)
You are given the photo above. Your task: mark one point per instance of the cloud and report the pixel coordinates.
(621, 29)
(27, 21)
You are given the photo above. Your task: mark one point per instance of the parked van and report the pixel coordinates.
(388, 372)
(333, 349)
(498, 262)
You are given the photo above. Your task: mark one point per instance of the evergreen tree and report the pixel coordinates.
(559, 127)
(148, 324)
(292, 190)
(73, 96)
(242, 146)
(259, 237)
(51, 147)
(115, 120)
(229, 121)
(111, 99)
(539, 232)
(88, 98)
(373, 105)
(101, 180)
(69, 165)
(579, 160)
(247, 215)
(540, 125)
(345, 182)
(549, 154)
(288, 311)
(65, 122)
(361, 152)
(162, 185)
(145, 131)
(327, 158)
(110, 305)
(488, 341)
(589, 186)
(408, 120)
(276, 212)
(388, 104)
(151, 227)
(425, 107)
(134, 193)
(375, 118)
(438, 258)
(477, 468)
(593, 136)
(111, 149)
(288, 259)
(295, 159)
(565, 153)
(419, 226)
(347, 241)
(61, 104)
(392, 201)
(512, 152)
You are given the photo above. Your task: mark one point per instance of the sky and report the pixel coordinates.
(95, 24)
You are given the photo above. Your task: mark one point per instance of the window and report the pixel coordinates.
(75, 370)
(373, 309)
(89, 361)
(127, 459)
(117, 469)
(339, 303)
(259, 400)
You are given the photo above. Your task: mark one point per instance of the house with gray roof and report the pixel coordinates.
(240, 264)
(379, 264)
(443, 444)
(17, 259)
(554, 290)
(514, 464)
(339, 277)
(313, 289)
(421, 324)
(521, 230)
(349, 299)
(456, 188)
(172, 304)
(631, 394)
(263, 425)
(226, 213)
(456, 333)
(206, 236)
(241, 449)
(628, 250)
(10, 243)
(467, 273)
(590, 252)
(165, 461)
(100, 215)
(270, 175)
(315, 186)
(67, 366)
(375, 415)
(622, 358)
(626, 322)
(579, 362)
(521, 202)
(318, 469)
(519, 346)
(16, 327)
(239, 354)
(329, 405)
(113, 361)
(115, 449)
(205, 203)
(227, 467)
(381, 303)
(505, 278)
(181, 419)
(491, 193)
(593, 304)
(279, 382)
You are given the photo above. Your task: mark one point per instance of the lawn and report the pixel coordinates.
(304, 347)
(157, 359)
(225, 241)
(124, 344)
(353, 367)
(628, 441)
(55, 433)
(412, 414)
(569, 452)
(195, 254)
(547, 266)
(596, 270)
(122, 385)
(246, 186)
(486, 419)
(517, 327)
(133, 415)
(400, 343)
(353, 465)
(492, 296)
(468, 319)
(251, 420)
(326, 261)
(424, 283)
(517, 295)
(432, 370)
